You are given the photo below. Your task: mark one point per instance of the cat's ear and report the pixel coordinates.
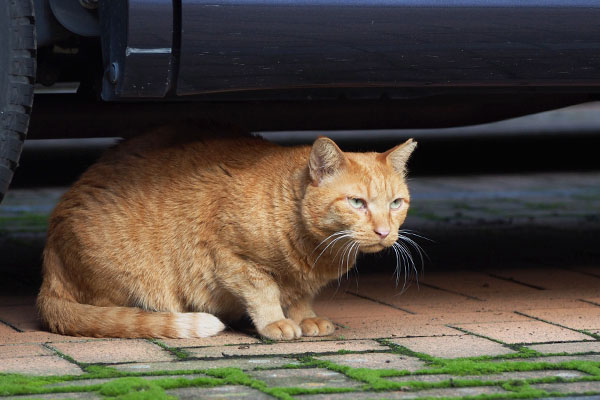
(325, 160)
(398, 156)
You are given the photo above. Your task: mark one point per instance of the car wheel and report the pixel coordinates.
(17, 74)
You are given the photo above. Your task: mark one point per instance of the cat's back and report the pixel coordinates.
(166, 170)
(176, 147)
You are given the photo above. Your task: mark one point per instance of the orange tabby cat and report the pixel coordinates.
(164, 236)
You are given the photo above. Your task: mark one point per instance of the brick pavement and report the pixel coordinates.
(431, 352)
(486, 328)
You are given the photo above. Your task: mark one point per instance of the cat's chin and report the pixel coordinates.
(373, 248)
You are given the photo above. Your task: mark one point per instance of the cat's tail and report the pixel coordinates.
(62, 314)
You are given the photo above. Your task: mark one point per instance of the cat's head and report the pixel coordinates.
(363, 195)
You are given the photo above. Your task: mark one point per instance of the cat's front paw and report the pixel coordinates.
(316, 327)
(284, 329)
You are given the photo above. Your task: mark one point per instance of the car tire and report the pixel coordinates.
(17, 75)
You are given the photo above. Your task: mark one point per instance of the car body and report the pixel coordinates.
(365, 63)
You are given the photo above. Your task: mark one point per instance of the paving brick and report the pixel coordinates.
(89, 382)
(220, 392)
(570, 347)
(376, 361)
(524, 332)
(454, 346)
(39, 365)
(541, 300)
(223, 338)
(572, 387)
(458, 392)
(502, 302)
(586, 269)
(559, 359)
(576, 397)
(416, 299)
(444, 318)
(286, 348)
(54, 396)
(9, 335)
(6, 330)
(242, 363)
(312, 378)
(345, 396)
(26, 350)
(15, 337)
(408, 325)
(475, 284)
(114, 351)
(392, 395)
(580, 318)
(355, 307)
(566, 374)
(550, 277)
(595, 300)
(23, 317)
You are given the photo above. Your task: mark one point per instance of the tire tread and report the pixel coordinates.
(14, 121)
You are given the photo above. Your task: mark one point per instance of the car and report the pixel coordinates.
(288, 64)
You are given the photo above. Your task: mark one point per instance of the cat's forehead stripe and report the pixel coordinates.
(375, 177)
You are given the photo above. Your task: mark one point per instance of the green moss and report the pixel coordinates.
(235, 376)
(180, 382)
(14, 384)
(463, 367)
(286, 366)
(180, 354)
(374, 379)
(425, 215)
(396, 348)
(26, 222)
(592, 334)
(100, 372)
(128, 385)
(139, 388)
(65, 356)
(295, 391)
(133, 389)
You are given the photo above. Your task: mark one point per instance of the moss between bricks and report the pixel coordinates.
(180, 354)
(131, 386)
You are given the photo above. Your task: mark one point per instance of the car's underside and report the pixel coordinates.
(316, 64)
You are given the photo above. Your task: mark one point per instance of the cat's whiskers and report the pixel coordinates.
(354, 247)
(345, 249)
(413, 233)
(330, 237)
(402, 262)
(406, 262)
(410, 242)
(398, 264)
(334, 237)
(403, 249)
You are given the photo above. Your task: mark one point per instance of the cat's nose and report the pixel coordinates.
(382, 232)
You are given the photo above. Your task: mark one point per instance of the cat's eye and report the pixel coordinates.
(357, 203)
(396, 204)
